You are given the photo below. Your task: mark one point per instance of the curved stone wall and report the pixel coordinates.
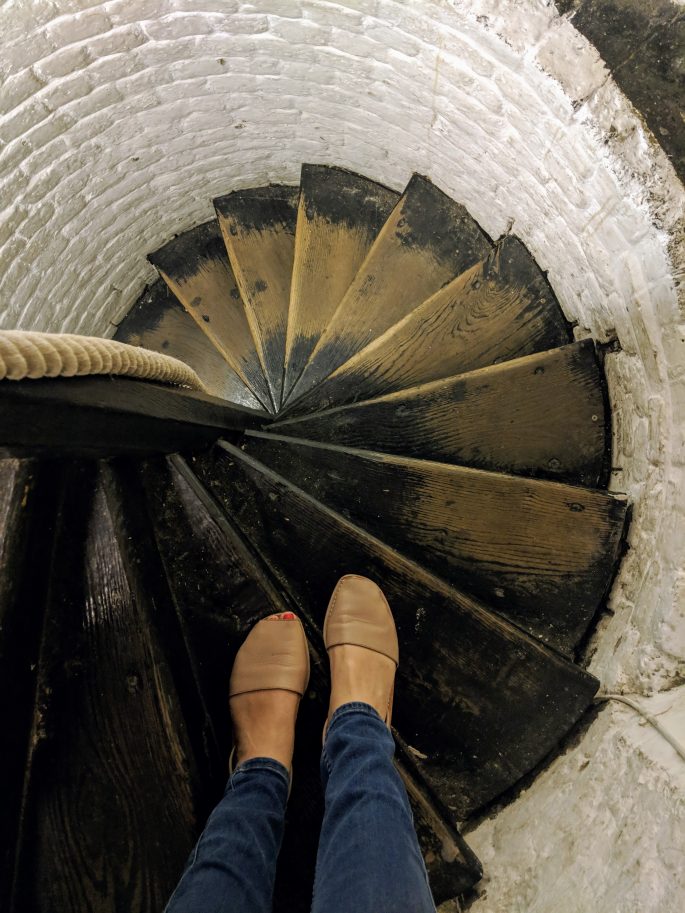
(119, 121)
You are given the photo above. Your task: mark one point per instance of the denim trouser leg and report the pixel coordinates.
(369, 859)
(233, 866)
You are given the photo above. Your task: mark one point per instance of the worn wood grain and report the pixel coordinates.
(500, 309)
(479, 698)
(540, 553)
(110, 816)
(258, 227)
(542, 415)
(338, 218)
(134, 531)
(16, 483)
(28, 496)
(195, 267)
(427, 240)
(158, 321)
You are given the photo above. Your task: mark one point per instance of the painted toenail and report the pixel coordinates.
(288, 616)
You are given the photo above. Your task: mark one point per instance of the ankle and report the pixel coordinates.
(264, 725)
(360, 675)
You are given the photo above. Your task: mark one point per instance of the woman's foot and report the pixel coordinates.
(264, 721)
(361, 639)
(359, 674)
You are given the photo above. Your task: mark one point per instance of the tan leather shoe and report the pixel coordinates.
(274, 656)
(359, 615)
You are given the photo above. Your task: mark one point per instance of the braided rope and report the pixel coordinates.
(33, 355)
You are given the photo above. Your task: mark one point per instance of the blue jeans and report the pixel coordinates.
(369, 859)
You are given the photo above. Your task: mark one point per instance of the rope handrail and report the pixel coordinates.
(29, 355)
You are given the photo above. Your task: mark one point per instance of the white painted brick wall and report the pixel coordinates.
(618, 850)
(120, 120)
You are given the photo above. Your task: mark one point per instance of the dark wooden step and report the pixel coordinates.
(216, 595)
(135, 531)
(104, 416)
(542, 415)
(427, 240)
(109, 815)
(338, 218)
(158, 321)
(17, 481)
(540, 553)
(29, 505)
(500, 309)
(220, 605)
(482, 701)
(258, 227)
(195, 267)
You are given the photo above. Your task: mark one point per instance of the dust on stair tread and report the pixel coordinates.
(195, 267)
(258, 227)
(541, 553)
(427, 240)
(339, 216)
(501, 308)
(158, 321)
(482, 700)
(541, 415)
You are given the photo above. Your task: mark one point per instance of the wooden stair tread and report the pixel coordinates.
(19, 619)
(158, 321)
(15, 484)
(479, 698)
(17, 497)
(541, 415)
(258, 227)
(195, 267)
(217, 607)
(427, 240)
(501, 308)
(339, 216)
(541, 553)
(100, 794)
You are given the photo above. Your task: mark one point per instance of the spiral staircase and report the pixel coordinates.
(419, 413)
